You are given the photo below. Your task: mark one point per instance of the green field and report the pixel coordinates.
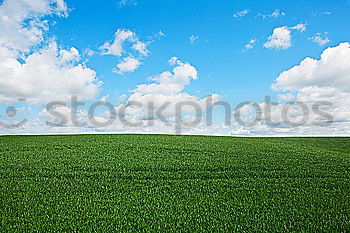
(163, 183)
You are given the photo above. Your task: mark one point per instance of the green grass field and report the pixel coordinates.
(164, 183)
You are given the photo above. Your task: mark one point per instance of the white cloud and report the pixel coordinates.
(193, 39)
(88, 52)
(168, 87)
(65, 111)
(240, 14)
(174, 61)
(20, 24)
(286, 97)
(45, 75)
(67, 56)
(131, 62)
(141, 48)
(104, 98)
(325, 79)
(250, 44)
(127, 65)
(313, 80)
(280, 39)
(300, 27)
(275, 14)
(320, 39)
(47, 72)
(332, 70)
(167, 82)
(116, 47)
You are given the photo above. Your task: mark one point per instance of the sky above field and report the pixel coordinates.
(118, 56)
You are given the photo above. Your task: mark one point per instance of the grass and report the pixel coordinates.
(161, 183)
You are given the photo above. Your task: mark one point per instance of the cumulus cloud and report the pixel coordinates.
(66, 111)
(331, 70)
(127, 65)
(315, 80)
(21, 26)
(32, 67)
(116, 48)
(47, 74)
(316, 93)
(321, 85)
(281, 37)
(168, 82)
(286, 97)
(240, 14)
(141, 47)
(324, 79)
(320, 39)
(166, 89)
(39, 70)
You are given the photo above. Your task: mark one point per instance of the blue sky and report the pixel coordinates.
(217, 54)
(226, 42)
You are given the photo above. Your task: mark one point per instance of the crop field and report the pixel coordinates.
(160, 183)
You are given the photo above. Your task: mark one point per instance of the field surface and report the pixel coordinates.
(160, 183)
